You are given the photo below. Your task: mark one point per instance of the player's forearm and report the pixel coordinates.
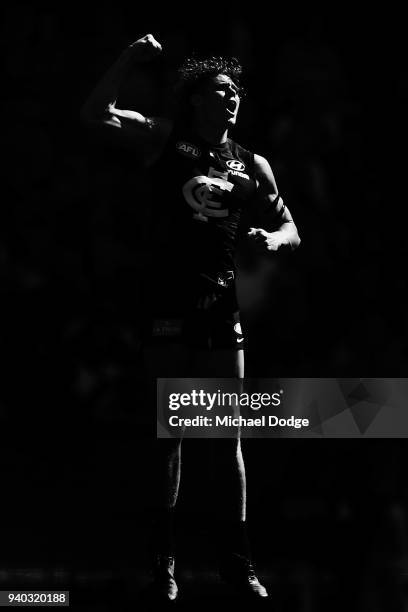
(289, 234)
(106, 92)
(285, 231)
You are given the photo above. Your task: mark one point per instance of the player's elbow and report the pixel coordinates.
(295, 241)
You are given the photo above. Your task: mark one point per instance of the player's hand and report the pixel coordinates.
(271, 241)
(144, 49)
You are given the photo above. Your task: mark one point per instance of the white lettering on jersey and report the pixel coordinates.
(241, 174)
(188, 149)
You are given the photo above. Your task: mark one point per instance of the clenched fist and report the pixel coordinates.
(271, 241)
(144, 49)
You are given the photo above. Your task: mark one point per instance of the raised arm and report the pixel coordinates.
(147, 135)
(281, 230)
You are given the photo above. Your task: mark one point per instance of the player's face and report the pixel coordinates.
(220, 100)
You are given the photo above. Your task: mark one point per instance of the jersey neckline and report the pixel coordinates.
(216, 147)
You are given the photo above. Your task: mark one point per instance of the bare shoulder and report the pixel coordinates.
(261, 164)
(263, 173)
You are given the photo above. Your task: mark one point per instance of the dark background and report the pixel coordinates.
(326, 96)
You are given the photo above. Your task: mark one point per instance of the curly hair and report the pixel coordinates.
(195, 71)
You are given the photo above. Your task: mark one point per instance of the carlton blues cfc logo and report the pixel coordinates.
(205, 194)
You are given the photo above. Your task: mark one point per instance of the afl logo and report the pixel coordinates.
(235, 165)
(187, 149)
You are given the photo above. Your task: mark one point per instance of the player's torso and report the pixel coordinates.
(200, 193)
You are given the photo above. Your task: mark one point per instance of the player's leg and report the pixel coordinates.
(230, 475)
(234, 549)
(165, 360)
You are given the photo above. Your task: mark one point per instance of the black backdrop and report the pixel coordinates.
(325, 106)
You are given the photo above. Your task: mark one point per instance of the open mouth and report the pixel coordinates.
(231, 106)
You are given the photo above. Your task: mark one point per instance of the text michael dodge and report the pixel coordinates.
(229, 421)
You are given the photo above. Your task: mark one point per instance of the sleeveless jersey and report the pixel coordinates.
(200, 193)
